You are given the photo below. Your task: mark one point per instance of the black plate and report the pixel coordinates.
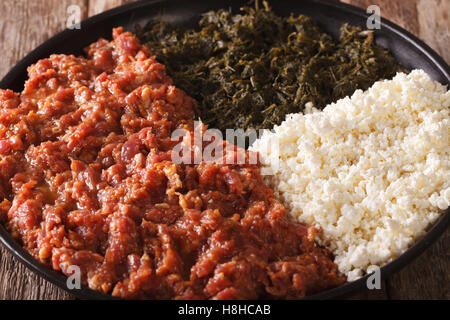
(409, 50)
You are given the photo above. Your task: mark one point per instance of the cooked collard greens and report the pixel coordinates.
(249, 70)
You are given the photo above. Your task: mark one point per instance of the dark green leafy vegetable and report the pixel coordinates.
(249, 70)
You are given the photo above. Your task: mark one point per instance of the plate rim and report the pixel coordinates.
(59, 279)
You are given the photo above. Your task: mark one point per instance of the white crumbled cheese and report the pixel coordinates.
(372, 171)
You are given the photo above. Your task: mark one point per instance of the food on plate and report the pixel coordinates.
(87, 180)
(250, 70)
(348, 179)
(371, 170)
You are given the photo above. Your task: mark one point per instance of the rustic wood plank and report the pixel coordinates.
(23, 26)
(434, 25)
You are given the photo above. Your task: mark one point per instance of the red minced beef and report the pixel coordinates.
(87, 179)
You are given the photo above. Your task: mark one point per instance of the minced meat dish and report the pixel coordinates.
(87, 179)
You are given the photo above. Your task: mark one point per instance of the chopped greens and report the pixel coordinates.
(250, 70)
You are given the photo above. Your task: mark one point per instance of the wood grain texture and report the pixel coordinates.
(24, 24)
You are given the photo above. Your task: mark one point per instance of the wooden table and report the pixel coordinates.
(24, 24)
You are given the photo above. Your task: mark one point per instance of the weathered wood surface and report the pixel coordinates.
(24, 24)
